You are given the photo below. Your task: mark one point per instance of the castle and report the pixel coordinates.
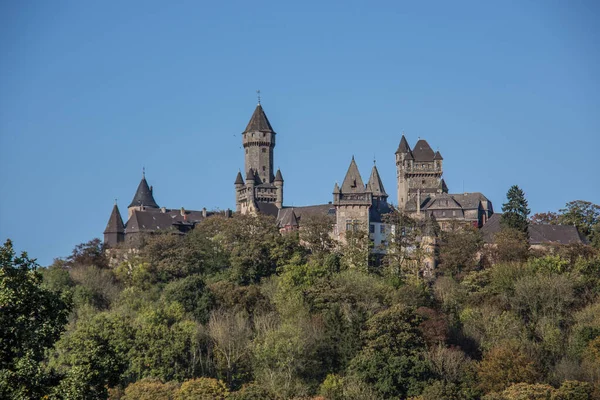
(422, 192)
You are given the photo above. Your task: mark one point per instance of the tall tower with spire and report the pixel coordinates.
(262, 186)
(418, 172)
(143, 197)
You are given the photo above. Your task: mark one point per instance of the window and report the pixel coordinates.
(264, 150)
(423, 181)
(264, 168)
(372, 228)
(246, 151)
(454, 213)
(443, 213)
(348, 224)
(381, 228)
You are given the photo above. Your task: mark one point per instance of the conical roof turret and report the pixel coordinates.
(403, 147)
(238, 179)
(259, 121)
(437, 156)
(336, 188)
(278, 176)
(250, 175)
(115, 222)
(353, 182)
(143, 195)
(375, 185)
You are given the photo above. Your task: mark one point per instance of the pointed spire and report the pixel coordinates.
(336, 188)
(115, 222)
(250, 175)
(143, 195)
(278, 177)
(375, 185)
(353, 182)
(238, 179)
(259, 121)
(437, 156)
(403, 147)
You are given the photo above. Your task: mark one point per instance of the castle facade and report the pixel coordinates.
(422, 193)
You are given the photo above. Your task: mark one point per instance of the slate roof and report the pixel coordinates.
(353, 182)
(250, 175)
(403, 147)
(336, 188)
(317, 210)
(259, 121)
(239, 179)
(438, 156)
(143, 196)
(375, 185)
(152, 220)
(538, 233)
(267, 208)
(115, 222)
(287, 217)
(443, 201)
(278, 177)
(422, 151)
(469, 201)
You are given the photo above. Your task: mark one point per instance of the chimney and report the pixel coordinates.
(183, 214)
(204, 212)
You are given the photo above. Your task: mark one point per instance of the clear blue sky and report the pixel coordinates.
(90, 92)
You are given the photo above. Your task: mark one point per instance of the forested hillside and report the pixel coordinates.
(236, 310)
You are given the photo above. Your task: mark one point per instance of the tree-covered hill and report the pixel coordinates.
(236, 310)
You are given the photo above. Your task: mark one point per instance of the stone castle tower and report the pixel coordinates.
(418, 171)
(358, 206)
(261, 187)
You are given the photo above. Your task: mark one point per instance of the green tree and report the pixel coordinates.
(31, 321)
(515, 211)
(392, 359)
(459, 250)
(88, 253)
(193, 295)
(585, 216)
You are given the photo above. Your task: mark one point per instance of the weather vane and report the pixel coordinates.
(258, 95)
(144, 172)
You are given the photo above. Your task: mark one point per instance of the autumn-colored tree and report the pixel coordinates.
(503, 366)
(202, 389)
(150, 389)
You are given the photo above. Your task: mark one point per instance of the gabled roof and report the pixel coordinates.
(538, 233)
(259, 121)
(115, 222)
(375, 185)
(403, 147)
(143, 196)
(239, 179)
(422, 151)
(469, 201)
(353, 182)
(153, 220)
(278, 177)
(438, 156)
(443, 201)
(267, 208)
(287, 217)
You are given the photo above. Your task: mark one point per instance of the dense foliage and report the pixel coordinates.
(236, 310)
